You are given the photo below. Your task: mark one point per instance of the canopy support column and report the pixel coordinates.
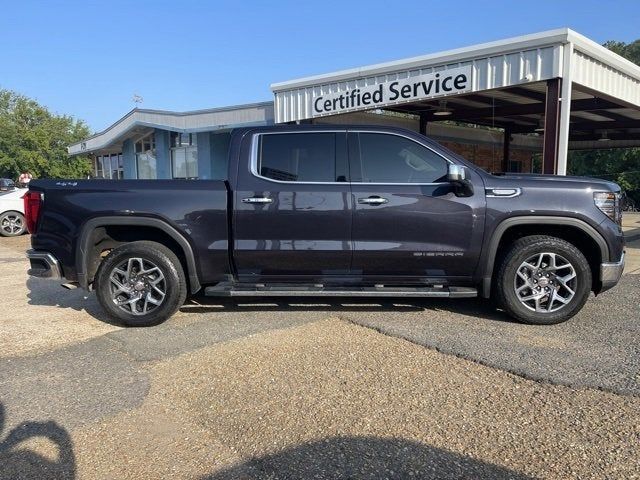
(423, 124)
(565, 112)
(551, 124)
(506, 144)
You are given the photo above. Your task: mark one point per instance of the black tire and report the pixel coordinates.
(12, 224)
(173, 283)
(524, 249)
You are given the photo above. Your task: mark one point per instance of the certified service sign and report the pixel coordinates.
(429, 85)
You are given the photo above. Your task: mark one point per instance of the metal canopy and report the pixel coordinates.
(559, 83)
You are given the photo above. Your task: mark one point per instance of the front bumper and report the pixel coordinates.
(43, 265)
(610, 273)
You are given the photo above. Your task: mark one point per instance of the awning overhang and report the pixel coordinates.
(139, 122)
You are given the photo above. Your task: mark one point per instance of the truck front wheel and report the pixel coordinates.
(141, 284)
(543, 280)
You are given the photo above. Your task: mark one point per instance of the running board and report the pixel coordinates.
(227, 290)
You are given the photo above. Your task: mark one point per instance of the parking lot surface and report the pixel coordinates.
(300, 389)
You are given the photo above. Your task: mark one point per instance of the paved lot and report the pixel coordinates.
(303, 390)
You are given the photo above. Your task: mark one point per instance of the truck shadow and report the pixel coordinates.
(474, 307)
(44, 292)
(365, 458)
(52, 294)
(18, 461)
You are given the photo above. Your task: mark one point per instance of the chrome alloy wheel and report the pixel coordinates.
(545, 282)
(12, 224)
(137, 286)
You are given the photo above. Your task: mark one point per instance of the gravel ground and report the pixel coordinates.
(598, 348)
(37, 315)
(334, 400)
(323, 399)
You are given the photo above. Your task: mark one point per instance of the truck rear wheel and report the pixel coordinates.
(543, 280)
(141, 284)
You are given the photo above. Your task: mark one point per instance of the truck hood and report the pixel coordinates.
(553, 181)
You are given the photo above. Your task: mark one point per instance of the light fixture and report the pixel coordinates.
(442, 110)
(540, 127)
(604, 137)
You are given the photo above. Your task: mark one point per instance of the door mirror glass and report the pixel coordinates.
(456, 173)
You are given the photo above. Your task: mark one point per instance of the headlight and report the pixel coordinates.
(609, 204)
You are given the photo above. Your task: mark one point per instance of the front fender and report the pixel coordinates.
(489, 257)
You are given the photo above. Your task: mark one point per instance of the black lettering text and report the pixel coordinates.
(427, 88)
(393, 88)
(460, 82)
(377, 95)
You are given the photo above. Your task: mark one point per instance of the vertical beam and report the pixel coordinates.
(506, 143)
(163, 154)
(565, 112)
(423, 124)
(129, 168)
(551, 123)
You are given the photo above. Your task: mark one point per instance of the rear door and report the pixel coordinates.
(293, 207)
(408, 225)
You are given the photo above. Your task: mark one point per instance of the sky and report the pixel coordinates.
(87, 59)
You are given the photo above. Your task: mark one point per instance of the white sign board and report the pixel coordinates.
(429, 85)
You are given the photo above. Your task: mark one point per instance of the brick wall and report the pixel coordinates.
(490, 158)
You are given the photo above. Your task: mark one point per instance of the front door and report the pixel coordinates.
(408, 224)
(293, 208)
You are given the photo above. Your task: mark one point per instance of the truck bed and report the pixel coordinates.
(197, 210)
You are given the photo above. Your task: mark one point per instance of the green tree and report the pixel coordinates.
(630, 51)
(621, 165)
(34, 139)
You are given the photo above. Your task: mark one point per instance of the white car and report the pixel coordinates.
(12, 222)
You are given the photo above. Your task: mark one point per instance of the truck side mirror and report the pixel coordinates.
(457, 176)
(456, 173)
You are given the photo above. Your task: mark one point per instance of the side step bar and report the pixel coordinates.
(231, 290)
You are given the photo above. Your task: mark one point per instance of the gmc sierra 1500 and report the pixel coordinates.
(332, 210)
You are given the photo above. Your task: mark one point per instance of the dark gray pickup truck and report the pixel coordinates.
(332, 210)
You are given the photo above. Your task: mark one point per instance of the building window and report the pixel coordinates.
(109, 166)
(146, 157)
(120, 166)
(97, 166)
(184, 155)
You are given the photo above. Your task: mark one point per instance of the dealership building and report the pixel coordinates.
(515, 105)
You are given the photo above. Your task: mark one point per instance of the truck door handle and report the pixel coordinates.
(373, 200)
(257, 200)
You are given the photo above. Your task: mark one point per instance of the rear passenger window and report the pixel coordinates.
(393, 159)
(298, 157)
